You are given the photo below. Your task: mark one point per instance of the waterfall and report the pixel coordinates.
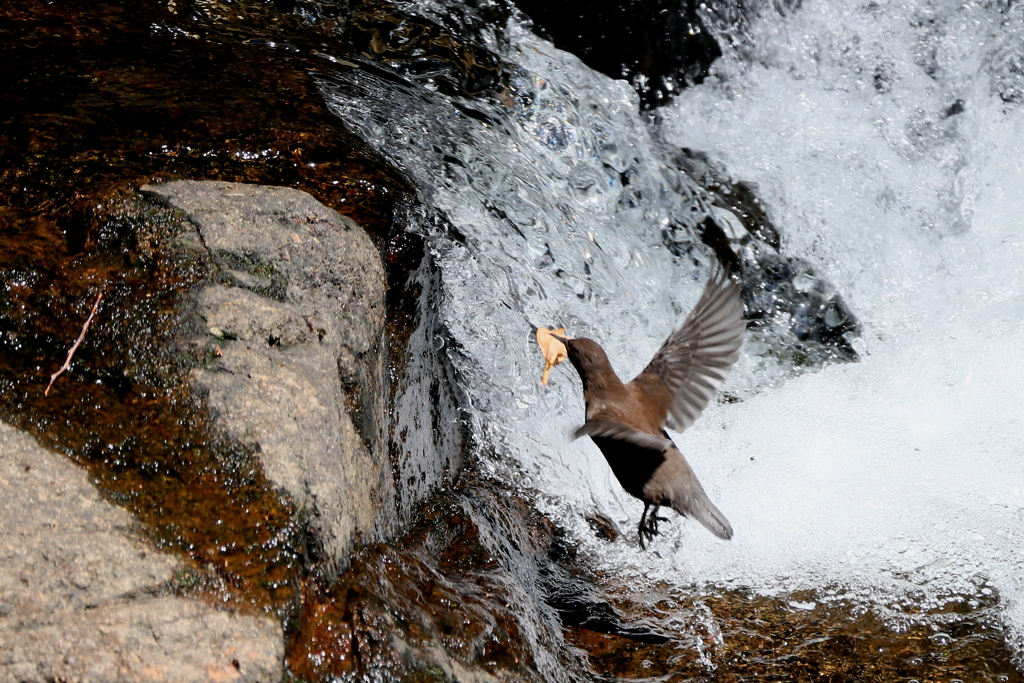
(884, 141)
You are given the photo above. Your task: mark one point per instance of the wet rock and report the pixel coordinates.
(660, 46)
(293, 355)
(795, 314)
(603, 526)
(84, 598)
(447, 49)
(429, 422)
(580, 606)
(461, 597)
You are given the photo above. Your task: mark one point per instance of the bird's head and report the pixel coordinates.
(587, 356)
(589, 359)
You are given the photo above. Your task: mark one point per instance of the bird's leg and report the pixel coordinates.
(642, 529)
(653, 519)
(652, 523)
(648, 528)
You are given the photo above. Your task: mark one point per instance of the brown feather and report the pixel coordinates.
(627, 421)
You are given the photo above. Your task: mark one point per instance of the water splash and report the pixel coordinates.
(549, 209)
(880, 139)
(885, 141)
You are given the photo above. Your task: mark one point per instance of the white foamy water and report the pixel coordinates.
(898, 475)
(906, 469)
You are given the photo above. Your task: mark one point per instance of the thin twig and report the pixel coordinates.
(67, 363)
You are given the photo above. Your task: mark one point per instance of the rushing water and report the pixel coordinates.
(886, 141)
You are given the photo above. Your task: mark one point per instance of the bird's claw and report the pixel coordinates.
(648, 528)
(648, 531)
(646, 535)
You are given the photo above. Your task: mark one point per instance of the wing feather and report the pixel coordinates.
(697, 357)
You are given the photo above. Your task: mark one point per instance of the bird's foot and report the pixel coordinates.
(648, 528)
(647, 531)
(646, 536)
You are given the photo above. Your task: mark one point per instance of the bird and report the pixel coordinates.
(627, 421)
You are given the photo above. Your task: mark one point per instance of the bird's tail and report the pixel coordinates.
(700, 507)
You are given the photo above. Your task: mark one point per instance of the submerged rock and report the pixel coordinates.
(84, 597)
(293, 356)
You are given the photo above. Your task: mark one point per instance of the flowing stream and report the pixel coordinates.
(885, 141)
(877, 504)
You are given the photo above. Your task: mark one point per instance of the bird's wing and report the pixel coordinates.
(616, 430)
(696, 358)
(674, 483)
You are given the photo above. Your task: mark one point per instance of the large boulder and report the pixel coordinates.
(84, 597)
(292, 353)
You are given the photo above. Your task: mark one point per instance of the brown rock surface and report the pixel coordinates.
(83, 598)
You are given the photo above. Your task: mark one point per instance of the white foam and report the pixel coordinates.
(901, 472)
(905, 469)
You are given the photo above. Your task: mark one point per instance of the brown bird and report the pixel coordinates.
(627, 421)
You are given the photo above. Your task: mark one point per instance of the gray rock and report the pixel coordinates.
(295, 349)
(80, 593)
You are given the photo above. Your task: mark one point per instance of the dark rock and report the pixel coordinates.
(578, 605)
(792, 309)
(446, 50)
(461, 597)
(660, 46)
(603, 526)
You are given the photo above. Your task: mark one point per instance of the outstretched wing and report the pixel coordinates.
(616, 430)
(696, 358)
